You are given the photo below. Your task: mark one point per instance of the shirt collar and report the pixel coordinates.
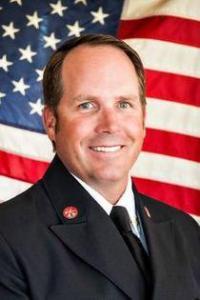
(106, 205)
(127, 199)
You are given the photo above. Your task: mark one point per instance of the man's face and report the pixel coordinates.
(100, 124)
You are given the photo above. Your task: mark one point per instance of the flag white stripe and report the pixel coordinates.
(11, 187)
(173, 117)
(167, 169)
(137, 9)
(161, 114)
(26, 143)
(167, 56)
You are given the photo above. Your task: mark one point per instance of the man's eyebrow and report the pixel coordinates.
(129, 97)
(80, 98)
(89, 97)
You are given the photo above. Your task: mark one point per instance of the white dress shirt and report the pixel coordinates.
(127, 200)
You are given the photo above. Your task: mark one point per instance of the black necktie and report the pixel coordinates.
(121, 219)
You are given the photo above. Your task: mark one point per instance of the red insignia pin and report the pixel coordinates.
(70, 212)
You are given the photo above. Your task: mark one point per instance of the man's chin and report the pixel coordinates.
(110, 177)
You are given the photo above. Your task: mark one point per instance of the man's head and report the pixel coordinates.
(95, 108)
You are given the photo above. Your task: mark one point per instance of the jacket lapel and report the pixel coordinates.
(168, 259)
(91, 235)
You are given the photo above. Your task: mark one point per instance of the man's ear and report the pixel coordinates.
(49, 121)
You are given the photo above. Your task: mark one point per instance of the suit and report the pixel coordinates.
(44, 255)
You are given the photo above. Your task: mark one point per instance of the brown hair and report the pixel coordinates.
(52, 81)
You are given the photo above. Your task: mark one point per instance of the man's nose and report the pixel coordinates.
(108, 121)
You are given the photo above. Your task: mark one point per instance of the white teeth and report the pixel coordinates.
(106, 149)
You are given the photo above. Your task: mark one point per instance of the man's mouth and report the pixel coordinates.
(106, 149)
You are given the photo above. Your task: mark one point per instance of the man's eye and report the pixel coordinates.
(124, 105)
(86, 105)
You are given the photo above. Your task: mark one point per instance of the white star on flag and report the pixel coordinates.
(51, 41)
(1, 8)
(20, 86)
(75, 29)
(34, 20)
(19, 2)
(58, 8)
(37, 107)
(1, 96)
(4, 63)
(80, 1)
(27, 53)
(40, 73)
(99, 16)
(10, 30)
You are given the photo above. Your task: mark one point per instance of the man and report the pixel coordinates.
(58, 240)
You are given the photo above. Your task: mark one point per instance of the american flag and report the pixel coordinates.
(164, 33)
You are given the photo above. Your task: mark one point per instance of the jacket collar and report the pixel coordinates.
(166, 249)
(92, 235)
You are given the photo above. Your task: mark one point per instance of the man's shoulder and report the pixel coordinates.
(161, 211)
(19, 208)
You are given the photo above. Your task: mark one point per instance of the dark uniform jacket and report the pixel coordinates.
(46, 256)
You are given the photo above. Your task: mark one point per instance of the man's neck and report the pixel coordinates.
(111, 191)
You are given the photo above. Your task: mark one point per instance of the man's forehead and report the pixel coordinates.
(90, 50)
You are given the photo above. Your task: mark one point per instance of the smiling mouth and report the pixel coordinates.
(106, 149)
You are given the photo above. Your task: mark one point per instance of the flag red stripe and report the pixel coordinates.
(21, 168)
(166, 28)
(172, 87)
(173, 144)
(181, 88)
(30, 170)
(185, 199)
